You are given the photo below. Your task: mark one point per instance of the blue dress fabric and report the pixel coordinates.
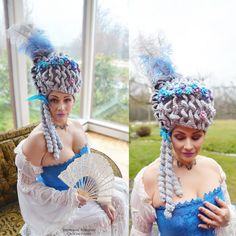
(49, 177)
(185, 220)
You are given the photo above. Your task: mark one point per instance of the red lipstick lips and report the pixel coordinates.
(188, 154)
(60, 114)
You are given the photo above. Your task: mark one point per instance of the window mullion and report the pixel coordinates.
(88, 57)
(18, 66)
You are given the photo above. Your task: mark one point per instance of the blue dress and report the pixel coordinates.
(49, 177)
(185, 220)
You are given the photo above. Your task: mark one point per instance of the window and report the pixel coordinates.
(6, 115)
(62, 22)
(111, 73)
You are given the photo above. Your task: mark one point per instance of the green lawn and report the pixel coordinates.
(221, 138)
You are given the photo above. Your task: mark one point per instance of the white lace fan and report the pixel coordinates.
(92, 175)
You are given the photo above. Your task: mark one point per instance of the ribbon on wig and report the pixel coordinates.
(165, 134)
(38, 97)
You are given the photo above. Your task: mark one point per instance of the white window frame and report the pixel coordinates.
(15, 13)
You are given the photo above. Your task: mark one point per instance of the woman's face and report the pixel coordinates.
(187, 143)
(60, 105)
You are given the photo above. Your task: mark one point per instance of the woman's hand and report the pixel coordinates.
(110, 211)
(82, 197)
(214, 216)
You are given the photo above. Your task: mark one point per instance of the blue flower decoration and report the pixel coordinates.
(204, 91)
(188, 90)
(178, 92)
(194, 86)
(179, 89)
(55, 61)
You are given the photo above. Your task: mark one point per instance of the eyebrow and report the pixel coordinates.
(67, 96)
(195, 132)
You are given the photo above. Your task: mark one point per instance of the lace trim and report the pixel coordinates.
(195, 200)
(139, 223)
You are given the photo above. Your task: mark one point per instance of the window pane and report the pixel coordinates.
(110, 95)
(63, 26)
(6, 115)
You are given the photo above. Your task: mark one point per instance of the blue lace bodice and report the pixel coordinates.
(185, 220)
(49, 177)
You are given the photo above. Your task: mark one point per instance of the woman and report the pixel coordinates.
(47, 205)
(185, 193)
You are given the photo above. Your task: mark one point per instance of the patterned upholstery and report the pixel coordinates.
(10, 217)
(10, 220)
(8, 142)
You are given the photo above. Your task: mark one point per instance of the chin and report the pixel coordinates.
(189, 158)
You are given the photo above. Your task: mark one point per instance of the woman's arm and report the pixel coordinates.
(143, 214)
(230, 229)
(27, 184)
(44, 209)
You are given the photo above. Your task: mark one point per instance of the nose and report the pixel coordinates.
(188, 144)
(61, 106)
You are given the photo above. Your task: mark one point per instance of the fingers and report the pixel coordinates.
(221, 203)
(209, 222)
(110, 211)
(214, 216)
(82, 200)
(111, 215)
(203, 226)
(209, 214)
(212, 207)
(113, 211)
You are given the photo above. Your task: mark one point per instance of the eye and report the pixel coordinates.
(179, 136)
(53, 101)
(67, 100)
(196, 137)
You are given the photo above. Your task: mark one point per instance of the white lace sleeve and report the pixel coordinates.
(43, 208)
(143, 214)
(229, 230)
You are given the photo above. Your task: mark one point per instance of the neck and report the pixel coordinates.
(61, 124)
(187, 165)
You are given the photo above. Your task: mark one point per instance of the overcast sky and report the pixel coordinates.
(202, 33)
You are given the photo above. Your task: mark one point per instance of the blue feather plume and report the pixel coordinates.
(158, 68)
(30, 40)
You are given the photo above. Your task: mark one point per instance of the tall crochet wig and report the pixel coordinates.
(50, 72)
(176, 101)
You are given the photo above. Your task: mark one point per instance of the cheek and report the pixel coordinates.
(198, 145)
(51, 109)
(70, 105)
(177, 145)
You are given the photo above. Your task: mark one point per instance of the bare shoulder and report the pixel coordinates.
(34, 146)
(79, 136)
(76, 124)
(208, 163)
(150, 177)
